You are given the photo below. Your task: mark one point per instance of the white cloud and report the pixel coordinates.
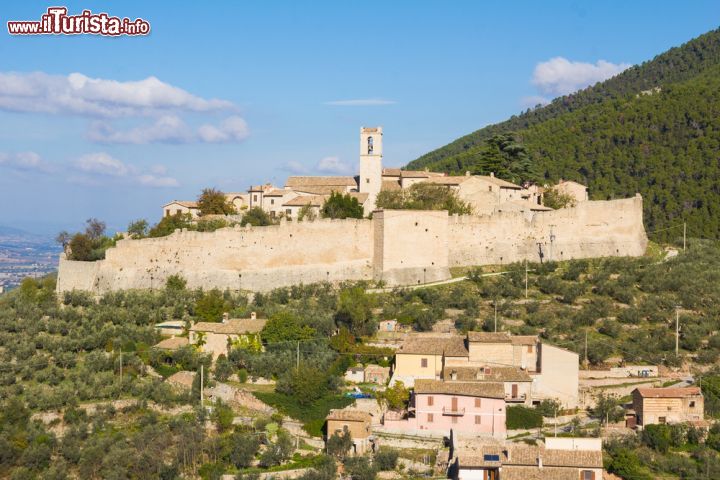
(361, 102)
(171, 129)
(560, 76)
(102, 164)
(24, 161)
(333, 165)
(232, 129)
(81, 95)
(93, 168)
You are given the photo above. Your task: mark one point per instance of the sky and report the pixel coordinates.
(229, 94)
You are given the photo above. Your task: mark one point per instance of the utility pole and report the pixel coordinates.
(526, 283)
(677, 330)
(202, 371)
(684, 234)
(495, 303)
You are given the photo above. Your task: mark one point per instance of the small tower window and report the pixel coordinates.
(370, 145)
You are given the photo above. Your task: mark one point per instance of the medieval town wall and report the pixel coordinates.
(398, 247)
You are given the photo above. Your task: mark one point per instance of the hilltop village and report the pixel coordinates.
(500, 223)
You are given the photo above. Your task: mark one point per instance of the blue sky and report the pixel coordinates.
(228, 94)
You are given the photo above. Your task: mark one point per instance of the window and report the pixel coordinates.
(272, 214)
(587, 475)
(478, 419)
(430, 417)
(529, 349)
(167, 212)
(692, 404)
(478, 403)
(662, 420)
(430, 401)
(423, 362)
(178, 211)
(370, 145)
(254, 198)
(272, 201)
(288, 211)
(490, 188)
(367, 180)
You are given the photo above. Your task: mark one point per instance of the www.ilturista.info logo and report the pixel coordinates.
(57, 22)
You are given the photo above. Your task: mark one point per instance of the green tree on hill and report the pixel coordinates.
(341, 206)
(213, 202)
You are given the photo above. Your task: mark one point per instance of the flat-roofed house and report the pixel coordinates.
(356, 422)
(218, 337)
(471, 407)
(556, 459)
(668, 405)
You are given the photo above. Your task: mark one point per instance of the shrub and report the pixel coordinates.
(386, 459)
(520, 417)
(342, 206)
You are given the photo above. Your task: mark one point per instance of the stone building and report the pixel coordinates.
(357, 423)
(577, 191)
(668, 405)
(218, 337)
(553, 459)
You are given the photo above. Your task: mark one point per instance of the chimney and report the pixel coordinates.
(226, 317)
(253, 316)
(492, 174)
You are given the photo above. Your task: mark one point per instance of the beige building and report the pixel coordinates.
(177, 207)
(668, 405)
(357, 423)
(218, 337)
(555, 459)
(376, 374)
(577, 191)
(553, 372)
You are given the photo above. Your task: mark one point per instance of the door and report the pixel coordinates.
(514, 391)
(454, 404)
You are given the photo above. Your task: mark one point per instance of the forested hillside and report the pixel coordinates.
(663, 143)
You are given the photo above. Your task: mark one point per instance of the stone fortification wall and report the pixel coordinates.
(398, 247)
(238, 258)
(591, 229)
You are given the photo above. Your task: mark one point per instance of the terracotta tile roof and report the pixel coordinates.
(523, 455)
(184, 203)
(349, 416)
(235, 326)
(302, 181)
(391, 172)
(489, 337)
(524, 339)
(302, 200)
(172, 343)
(377, 369)
(277, 192)
(390, 186)
(677, 392)
(452, 346)
(361, 196)
(476, 374)
(470, 389)
(453, 180)
(500, 182)
(512, 472)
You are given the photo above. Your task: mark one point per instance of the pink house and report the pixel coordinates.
(468, 407)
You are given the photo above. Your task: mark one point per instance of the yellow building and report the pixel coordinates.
(357, 423)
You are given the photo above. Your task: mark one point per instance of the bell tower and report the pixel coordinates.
(371, 144)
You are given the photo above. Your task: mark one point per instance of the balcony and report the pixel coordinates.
(516, 399)
(453, 412)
